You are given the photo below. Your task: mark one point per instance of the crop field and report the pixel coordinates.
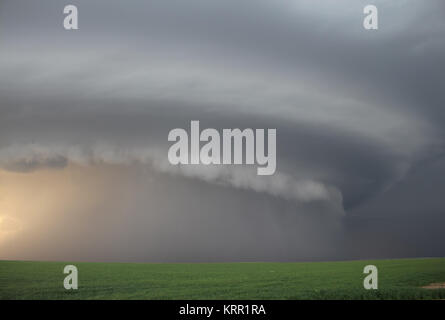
(397, 279)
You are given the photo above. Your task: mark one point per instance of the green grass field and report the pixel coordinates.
(398, 279)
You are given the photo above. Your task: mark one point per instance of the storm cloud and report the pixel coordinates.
(359, 118)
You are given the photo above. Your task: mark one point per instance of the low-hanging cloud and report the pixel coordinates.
(27, 158)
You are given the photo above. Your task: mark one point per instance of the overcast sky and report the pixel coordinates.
(85, 115)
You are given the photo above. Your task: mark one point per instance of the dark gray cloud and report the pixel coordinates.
(36, 162)
(358, 114)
